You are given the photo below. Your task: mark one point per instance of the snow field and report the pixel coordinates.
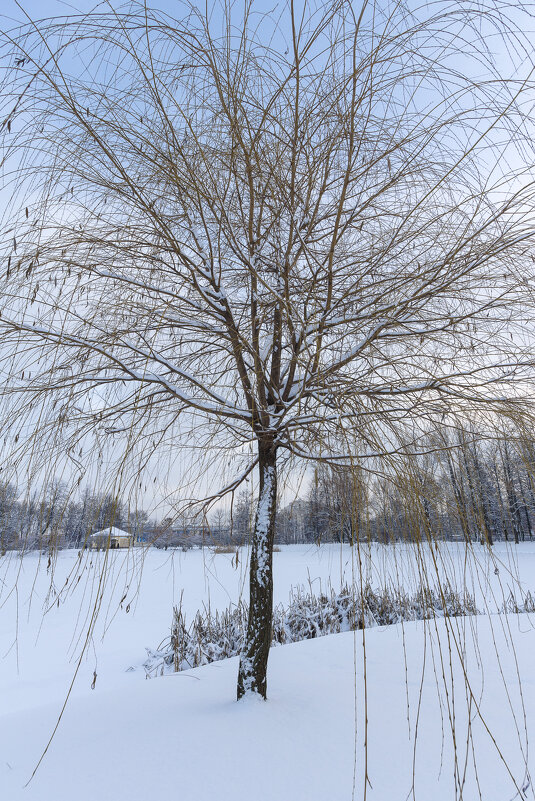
(184, 736)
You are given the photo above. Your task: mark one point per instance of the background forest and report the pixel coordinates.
(468, 489)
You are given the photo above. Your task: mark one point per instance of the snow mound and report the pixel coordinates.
(183, 736)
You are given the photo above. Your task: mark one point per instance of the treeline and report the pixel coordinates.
(54, 519)
(458, 488)
(462, 488)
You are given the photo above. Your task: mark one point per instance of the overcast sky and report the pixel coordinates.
(13, 12)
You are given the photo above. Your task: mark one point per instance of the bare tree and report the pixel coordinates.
(298, 233)
(336, 504)
(9, 514)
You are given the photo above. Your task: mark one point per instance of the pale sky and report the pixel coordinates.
(12, 13)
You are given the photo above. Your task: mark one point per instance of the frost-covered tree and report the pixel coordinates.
(9, 516)
(241, 518)
(336, 504)
(291, 234)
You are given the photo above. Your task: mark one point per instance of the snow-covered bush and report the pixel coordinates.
(214, 636)
(512, 605)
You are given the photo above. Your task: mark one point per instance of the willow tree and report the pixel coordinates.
(298, 232)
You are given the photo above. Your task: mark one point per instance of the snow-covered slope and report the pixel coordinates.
(184, 737)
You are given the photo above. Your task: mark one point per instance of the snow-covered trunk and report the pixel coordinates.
(254, 659)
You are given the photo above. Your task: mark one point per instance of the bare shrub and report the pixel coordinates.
(212, 637)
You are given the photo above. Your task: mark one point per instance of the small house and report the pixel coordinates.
(111, 538)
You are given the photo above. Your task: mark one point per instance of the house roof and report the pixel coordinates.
(112, 531)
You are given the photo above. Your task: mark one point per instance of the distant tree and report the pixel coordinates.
(106, 511)
(9, 516)
(317, 519)
(292, 521)
(293, 232)
(219, 527)
(242, 518)
(78, 521)
(136, 521)
(336, 504)
(50, 513)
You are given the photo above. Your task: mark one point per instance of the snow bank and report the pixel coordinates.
(183, 736)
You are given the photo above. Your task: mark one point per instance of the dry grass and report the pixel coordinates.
(212, 637)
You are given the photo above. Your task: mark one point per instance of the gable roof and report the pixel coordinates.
(112, 531)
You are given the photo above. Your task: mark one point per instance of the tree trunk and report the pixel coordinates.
(254, 658)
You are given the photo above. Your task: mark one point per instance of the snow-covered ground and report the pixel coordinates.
(183, 736)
